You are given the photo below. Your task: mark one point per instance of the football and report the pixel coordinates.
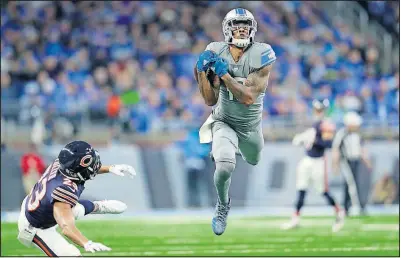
(213, 78)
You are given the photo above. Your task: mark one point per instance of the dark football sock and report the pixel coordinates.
(88, 205)
(331, 201)
(300, 203)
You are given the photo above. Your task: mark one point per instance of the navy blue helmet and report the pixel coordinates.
(79, 161)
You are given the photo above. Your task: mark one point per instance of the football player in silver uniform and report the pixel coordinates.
(240, 69)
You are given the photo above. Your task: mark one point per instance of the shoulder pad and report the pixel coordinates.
(261, 54)
(216, 47)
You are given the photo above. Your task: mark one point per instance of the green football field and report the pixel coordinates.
(367, 236)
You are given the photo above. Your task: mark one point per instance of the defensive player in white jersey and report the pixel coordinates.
(313, 167)
(241, 69)
(55, 201)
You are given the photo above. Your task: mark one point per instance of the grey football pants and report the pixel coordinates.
(226, 142)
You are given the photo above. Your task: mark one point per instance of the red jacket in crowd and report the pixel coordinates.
(32, 160)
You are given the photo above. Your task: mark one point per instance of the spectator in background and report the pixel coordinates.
(51, 52)
(3, 134)
(113, 111)
(384, 191)
(194, 158)
(33, 166)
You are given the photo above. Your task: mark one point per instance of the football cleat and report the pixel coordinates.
(109, 207)
(339, 223)
(219, 221)
(292, 224)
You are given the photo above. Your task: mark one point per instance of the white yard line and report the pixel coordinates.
(260, 250)
(312, 223)
(381, 227)
(180, 252)
(204, 215)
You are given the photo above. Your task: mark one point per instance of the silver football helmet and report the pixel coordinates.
(239, 18)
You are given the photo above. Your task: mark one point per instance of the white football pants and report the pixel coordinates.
(312, 171)
(49, 240)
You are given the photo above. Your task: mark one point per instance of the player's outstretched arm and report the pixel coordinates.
(64, 217)
(205, 87)
(256, 84)
(119, 170)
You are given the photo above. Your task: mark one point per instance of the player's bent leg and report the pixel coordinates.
(54, 244)
(251, 148)
(331, 201)
(82, 208)
(298, 206)
(109, 207)
(340, 215)
(85, 207)
(47, 240)
(22, 220)
(321, 184)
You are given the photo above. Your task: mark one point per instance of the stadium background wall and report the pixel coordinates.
(161, 177)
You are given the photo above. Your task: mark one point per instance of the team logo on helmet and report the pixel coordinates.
(86, 161)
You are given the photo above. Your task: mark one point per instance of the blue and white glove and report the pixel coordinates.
(205, 60)
(220, 67)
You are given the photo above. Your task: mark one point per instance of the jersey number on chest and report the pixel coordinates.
(230, 95)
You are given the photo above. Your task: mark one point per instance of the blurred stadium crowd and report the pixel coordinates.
(132, 62)
(387, 13)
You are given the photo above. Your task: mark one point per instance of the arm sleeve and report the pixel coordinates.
(261, 56)
(65, 194)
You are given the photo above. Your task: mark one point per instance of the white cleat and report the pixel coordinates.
(292, 224)
(339, 223)
(109, 207)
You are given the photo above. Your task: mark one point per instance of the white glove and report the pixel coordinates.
(297, 140)
(95, 247)
(121, 170)
(305, 138)
(308, 138)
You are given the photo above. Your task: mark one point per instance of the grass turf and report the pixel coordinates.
(262, 236)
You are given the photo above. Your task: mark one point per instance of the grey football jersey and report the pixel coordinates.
(240, 117)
